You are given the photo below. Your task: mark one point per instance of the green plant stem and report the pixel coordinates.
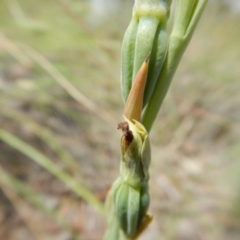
(52, 168)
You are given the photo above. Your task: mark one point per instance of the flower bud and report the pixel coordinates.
(130, 191)
(146, 33)
(135, 152)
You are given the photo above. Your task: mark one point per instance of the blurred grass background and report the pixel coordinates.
(60, 100)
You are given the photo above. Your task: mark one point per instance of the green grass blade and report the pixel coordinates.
(46, 163)
(47, 136)
(30, 196)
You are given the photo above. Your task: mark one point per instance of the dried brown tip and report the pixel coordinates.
(127, 136)
(148, 57)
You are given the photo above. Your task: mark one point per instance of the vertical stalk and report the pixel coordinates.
(145, 82)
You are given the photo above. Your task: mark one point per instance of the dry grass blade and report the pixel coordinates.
(12, 187)
(17, 52)
(51, 167)
(12, 49)
(9, 190)
(48, 137)
(72, 13)
(16, 202)
(65, 84)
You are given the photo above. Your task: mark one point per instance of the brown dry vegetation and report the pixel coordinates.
(195, 170)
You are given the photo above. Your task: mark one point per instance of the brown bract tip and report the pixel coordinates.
(127, 137)
(148, 57)
(127, 134)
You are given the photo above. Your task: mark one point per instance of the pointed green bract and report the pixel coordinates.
(159, 51)
(128, 51)
(187, 14)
